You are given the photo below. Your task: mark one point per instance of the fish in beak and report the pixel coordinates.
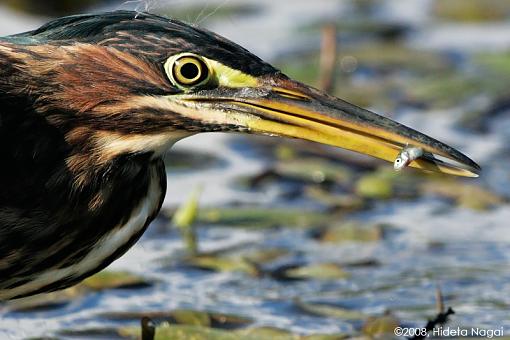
(283, 107)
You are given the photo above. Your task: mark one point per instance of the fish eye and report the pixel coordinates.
(187, 70)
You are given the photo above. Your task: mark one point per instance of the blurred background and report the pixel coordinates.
(276, 238)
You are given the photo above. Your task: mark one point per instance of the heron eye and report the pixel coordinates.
(189, 71)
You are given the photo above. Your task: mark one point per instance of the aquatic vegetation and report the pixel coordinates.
(321, 271)
(181, 332)
(472, 10)
(375, 186)
(224, 264)
(465, 195)
(184, 219)
(329, 310)
(382, 326)
(114, 280)
(184, 317)
(261, 218)
(351, 231)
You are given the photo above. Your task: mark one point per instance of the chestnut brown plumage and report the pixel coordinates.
(88, 106)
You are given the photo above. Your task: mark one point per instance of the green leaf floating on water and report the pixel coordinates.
(351, 231)
(264, 256)
(183, 316)
(377, 327)
(261, 218)
(472, 10)
(101, 281)
(224, 264)
(111, 280)
(45, 302)
(343, 202)
(329, 310)
(190, 317)
(465, 195)
(322, 271)
(181, 332)
(281, 334)
(186, 332)
(385, 183)
(375, 186)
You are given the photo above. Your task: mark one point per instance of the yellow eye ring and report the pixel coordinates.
(187, 70)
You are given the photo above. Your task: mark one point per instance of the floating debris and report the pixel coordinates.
(184, 218)
(148, 328)
(406, 156)
(464, 195)
(263, 218)
(321, 271)
(224, 264)
(329, 310)
(45, 302)
(60, 299)
(183, 317)
(265, 256)
(473, 11)
(382, 327)
(188, 332)
(351, 231)
(90, 333)
(115, 280)
(375, 186)
(343, 202)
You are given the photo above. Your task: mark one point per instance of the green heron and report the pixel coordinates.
(89, 105)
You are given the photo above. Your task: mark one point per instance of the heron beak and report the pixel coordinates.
(289, 108)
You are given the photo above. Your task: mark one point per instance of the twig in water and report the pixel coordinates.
(439, 300)
(328, 58)
(440, 319)
(148, 328)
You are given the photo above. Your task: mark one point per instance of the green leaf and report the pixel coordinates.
(381, 326)
(112, 280)
(329, 310)
(187, 213)
(262, 218)
(224, 264)
(351, 231)
(323, 271)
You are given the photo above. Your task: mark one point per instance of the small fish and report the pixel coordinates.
(406, 156)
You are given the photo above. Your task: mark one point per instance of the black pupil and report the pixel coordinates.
(190, 71)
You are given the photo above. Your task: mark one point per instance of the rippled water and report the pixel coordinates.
(464, 251)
